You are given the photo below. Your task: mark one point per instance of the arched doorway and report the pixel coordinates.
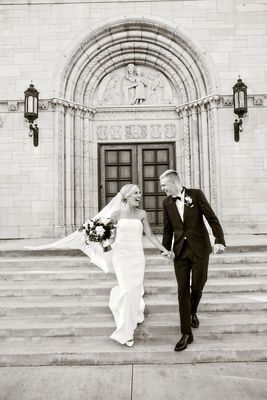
(137, 83)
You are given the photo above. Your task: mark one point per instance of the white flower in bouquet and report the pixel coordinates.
(88, 225)
(100, 230)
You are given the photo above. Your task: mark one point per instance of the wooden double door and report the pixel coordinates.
(141, 164)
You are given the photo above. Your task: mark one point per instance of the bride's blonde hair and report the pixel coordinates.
(127, 190)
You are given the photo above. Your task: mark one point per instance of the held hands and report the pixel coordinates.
(219, 248)
(168, 255)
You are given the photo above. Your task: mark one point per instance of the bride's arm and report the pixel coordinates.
(114, 217)
(150, 235)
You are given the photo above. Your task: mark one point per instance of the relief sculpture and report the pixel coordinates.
(134, 85)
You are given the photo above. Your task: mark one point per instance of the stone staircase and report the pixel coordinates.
(54, 311)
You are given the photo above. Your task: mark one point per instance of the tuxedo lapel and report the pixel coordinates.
(185, 206)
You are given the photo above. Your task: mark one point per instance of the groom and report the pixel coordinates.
(183, 211)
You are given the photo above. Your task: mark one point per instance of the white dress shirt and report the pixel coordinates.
(180, 205)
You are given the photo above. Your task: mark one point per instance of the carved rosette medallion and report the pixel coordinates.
(102, 132)
(155, 131)
(135, 132)
(170, 131)
(116, 132)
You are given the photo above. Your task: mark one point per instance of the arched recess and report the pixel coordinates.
(146, 42)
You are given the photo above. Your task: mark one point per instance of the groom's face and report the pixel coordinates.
(168, 186)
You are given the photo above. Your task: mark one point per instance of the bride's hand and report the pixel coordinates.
(167, 254)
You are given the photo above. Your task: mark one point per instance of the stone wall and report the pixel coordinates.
(36, 40)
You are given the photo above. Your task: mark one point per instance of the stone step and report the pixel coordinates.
(167, 272)
(155, 324)
(41, 258)
(99, 287)
(88, 305)
(153, 350)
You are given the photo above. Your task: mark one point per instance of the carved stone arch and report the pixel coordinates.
(177, 40)
(153, 43)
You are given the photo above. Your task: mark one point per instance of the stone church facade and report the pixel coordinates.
(127, 90)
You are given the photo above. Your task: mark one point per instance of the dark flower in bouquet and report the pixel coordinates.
(100, 230)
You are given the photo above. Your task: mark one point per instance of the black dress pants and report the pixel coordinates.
(189, 297)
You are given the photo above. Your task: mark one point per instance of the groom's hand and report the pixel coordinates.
(168, 255)
(219, 248)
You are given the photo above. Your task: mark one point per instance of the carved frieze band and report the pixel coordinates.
(135, 132)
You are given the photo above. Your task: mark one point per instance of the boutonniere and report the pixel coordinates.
(188, 201)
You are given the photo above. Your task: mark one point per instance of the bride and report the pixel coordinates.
(126, 302)
(126, 259)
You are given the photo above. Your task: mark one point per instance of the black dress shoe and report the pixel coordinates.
(194, 321)
(183, 342)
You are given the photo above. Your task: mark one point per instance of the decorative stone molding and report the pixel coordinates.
(215, 99)
(13, 106)
(116, 132)
(258, 100)
(135, 131)
(170, 131)
(70, 105)
(155, 131)
(136, 113)
(228, 101)
(44, 105)
(102, 132)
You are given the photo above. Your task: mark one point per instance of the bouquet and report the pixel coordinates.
(100, 231)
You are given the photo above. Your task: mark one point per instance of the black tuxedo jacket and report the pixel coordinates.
(192, 227)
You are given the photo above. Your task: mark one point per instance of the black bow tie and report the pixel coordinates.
(174, 198)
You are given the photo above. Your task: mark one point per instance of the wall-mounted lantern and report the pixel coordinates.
(31, 105)
(240, 106)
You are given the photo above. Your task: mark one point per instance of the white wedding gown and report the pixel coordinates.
(126, 302)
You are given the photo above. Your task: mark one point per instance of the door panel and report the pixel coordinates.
(141, 164)
(154, 160)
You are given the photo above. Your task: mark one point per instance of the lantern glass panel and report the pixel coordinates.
(241, 99)
(30, 105)
(35, 105)
(236, 102)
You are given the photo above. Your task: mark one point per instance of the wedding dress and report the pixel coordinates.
(126, 301)
(126, 260)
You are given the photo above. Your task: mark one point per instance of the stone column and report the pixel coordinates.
(59, 123)
(184, 115)
(69, 168)
(214, 155)
(89, 183)
(204, 151)
(194, 145)
(78, 166)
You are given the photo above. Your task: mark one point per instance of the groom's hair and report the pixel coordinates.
(172, 175)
